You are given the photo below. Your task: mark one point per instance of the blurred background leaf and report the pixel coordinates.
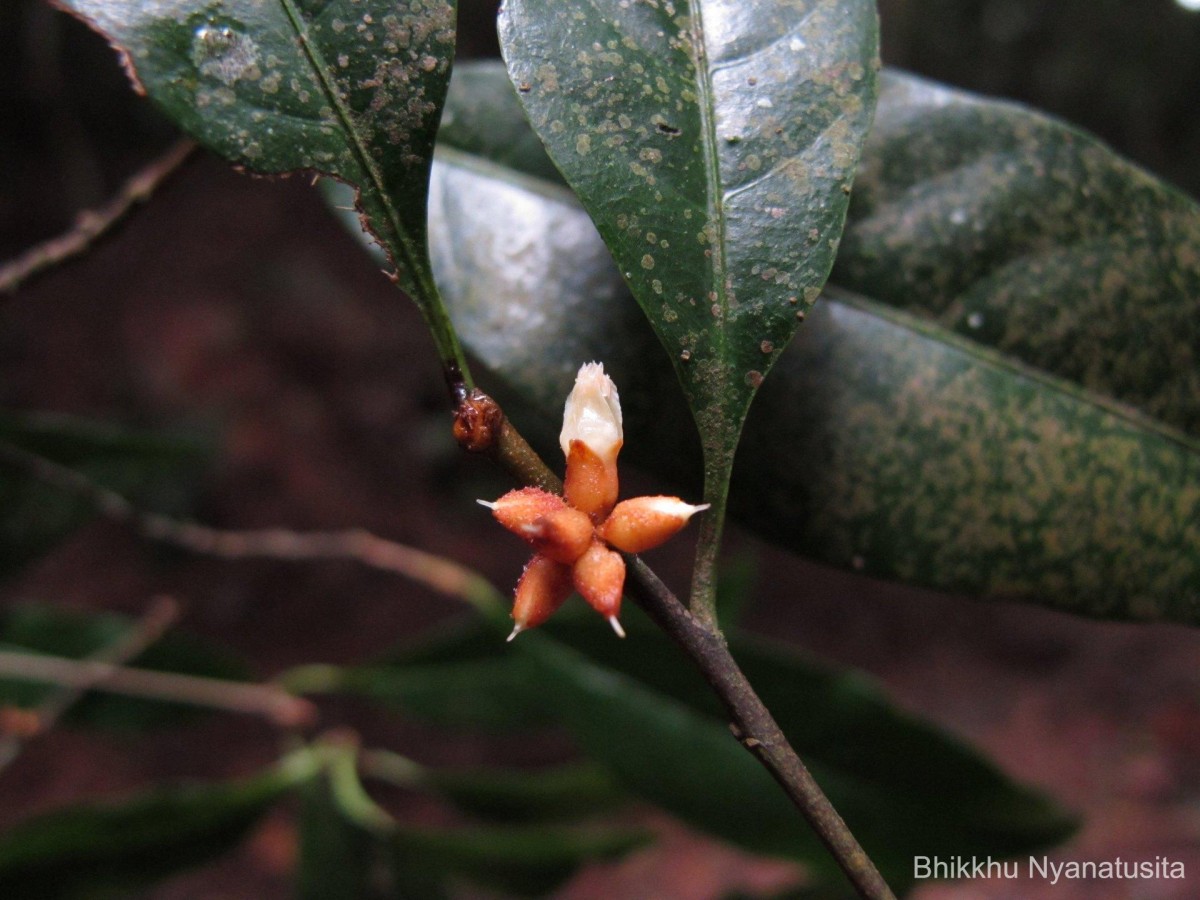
(155, 469)
(115, 848)
(527, 860)
(56, 631)
(638, 709)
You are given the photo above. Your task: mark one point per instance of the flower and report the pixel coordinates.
(576, 537)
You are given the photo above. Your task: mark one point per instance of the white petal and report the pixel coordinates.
(593, 413)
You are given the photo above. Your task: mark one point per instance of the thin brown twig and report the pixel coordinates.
(160, 617)
(265, 700)
(91, 225)
(436, 572)
(755, 728)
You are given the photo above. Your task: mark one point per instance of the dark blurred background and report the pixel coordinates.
(237, 309)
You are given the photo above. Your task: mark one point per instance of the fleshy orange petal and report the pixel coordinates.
(591, 483)
(517, 510)
(642, 523)
(600, 578)
(542, 589)
(563, 535)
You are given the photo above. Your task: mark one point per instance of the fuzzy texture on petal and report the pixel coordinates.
(600, 579)
(543, 588)
(592, 483)
(563, 535)
(518, 510)
(642, 523)
(593, 414)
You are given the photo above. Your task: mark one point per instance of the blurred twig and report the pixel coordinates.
(162, 615)
(91, 225)
(233, 696)
(436, 572)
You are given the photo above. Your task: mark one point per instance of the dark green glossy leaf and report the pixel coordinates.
(638, 708)
(526, 860)
(1025, 234)
(60, 632)
(348, 88)
(884, 443)
(113, 849)
(154, 469)
(713, 143)
(944, 463)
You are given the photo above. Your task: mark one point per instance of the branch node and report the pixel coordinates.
(478, 421)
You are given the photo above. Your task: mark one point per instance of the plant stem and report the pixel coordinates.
(232, 696)
(755, 728)
(91, 225)
(703, 599)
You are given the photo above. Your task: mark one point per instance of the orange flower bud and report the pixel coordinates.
(518, 510)
(562, 535)
(643, 523)
(600, 578)
(591, 483)
(542, 589)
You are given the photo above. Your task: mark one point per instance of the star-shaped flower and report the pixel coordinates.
(574, 536)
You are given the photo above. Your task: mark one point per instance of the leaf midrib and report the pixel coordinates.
(716, 263)
(365, 162)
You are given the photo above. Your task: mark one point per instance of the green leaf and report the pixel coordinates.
(713, 144)
(944, 463)
(883, 443)
(484, 118)
(639, 709)
(151, 468)
(1025, 234)
(337, 854)
(565, 792)
(74, 634)
(448, 694)
(347, 88)
(519, 859)
(115, 848)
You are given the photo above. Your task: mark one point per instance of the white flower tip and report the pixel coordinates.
(486, 503)
(616, 626)
(670, 506)
(517, 629)
(593, 413)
